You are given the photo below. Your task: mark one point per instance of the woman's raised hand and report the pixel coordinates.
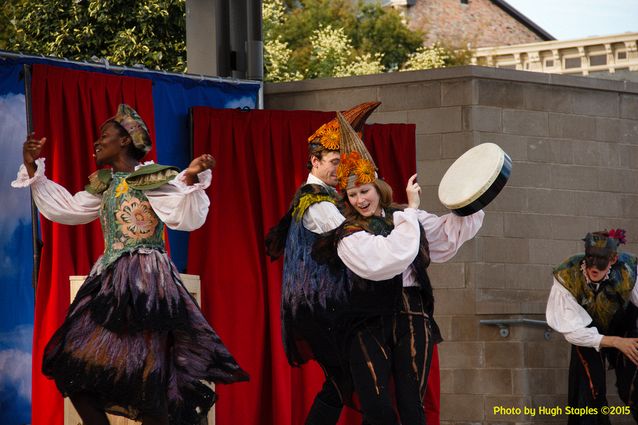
(199, 164)
(413, 190)
(32, 148)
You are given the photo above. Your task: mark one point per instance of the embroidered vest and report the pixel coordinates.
(127, 218)
(305, 282)
(611, 297)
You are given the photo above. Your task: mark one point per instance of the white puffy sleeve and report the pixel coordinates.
(446, 234)
(180, 206)
(376, 257)
(566, 316)
(54, 201)
(633, 297)
(322, 217)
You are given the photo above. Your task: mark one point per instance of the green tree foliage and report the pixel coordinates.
(322, 38)
(149, 32)
(437, 55)
(382, 31)
(370, 28)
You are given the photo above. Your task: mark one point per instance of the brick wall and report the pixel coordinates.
(480, 22)
(574, 146)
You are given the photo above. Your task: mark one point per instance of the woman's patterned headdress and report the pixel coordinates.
(130, 120)
(328, 134)
(605, 243)
(357, 166)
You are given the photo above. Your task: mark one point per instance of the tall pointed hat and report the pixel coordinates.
(328, 134)
(357, 166)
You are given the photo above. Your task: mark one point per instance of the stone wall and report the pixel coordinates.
(480, 22)
(574, 146)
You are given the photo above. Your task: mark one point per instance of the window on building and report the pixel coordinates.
(465, 1)
(598, 60)
(621, 55)
(549, 63)
(572, 63)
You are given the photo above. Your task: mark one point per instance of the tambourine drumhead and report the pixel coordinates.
(475, 178)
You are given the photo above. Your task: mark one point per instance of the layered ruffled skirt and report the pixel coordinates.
(135, 339)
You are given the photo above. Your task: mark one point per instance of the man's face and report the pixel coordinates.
(598, 266)
(326, 167)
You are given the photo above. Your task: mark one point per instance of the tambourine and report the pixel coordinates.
(474, 179)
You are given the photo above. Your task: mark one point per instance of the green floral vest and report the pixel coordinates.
(127, 218)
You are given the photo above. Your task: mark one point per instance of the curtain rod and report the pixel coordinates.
(104, 64)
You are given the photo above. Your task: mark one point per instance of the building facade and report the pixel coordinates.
(613, 56)
(477, 23)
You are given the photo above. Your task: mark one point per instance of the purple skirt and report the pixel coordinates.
(135, 339)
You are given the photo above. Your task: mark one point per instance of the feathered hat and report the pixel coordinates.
(130, 120)
(357, 166)
(605, 243)
(328, 134)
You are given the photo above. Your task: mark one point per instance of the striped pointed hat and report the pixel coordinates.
(328, 134)
(357, 166)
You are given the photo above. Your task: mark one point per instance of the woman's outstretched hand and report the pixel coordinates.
(199, 164)
(413, 190)
(31, 150)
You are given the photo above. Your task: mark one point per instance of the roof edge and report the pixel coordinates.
(524, 20)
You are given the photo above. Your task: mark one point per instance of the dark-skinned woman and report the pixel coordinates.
(134, 343)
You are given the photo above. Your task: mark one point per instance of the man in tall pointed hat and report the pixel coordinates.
(309, 291)
(385, 249)
(593, 303)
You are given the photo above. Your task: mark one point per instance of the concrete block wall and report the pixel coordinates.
(574, 146)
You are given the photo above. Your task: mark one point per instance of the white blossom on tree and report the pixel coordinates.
(429, 57)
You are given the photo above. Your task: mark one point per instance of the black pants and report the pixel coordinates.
(412, 356)
(587, 384)
(397, 347)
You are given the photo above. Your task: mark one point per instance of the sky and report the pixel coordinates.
(569, 19)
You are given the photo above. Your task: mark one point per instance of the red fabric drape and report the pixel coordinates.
(68, 108)
(261, 157)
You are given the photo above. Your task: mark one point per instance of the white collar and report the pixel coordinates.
(312, 179)
(143, 164)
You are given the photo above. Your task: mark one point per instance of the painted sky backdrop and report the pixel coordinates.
(16, 293)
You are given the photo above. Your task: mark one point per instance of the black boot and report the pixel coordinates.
(322, 413)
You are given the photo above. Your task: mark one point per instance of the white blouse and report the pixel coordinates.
(380, 258)
(178, 205)
(566, 316)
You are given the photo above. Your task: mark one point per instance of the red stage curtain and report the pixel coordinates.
(261, 157)
(68, 108)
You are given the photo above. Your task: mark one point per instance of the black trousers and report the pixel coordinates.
(393, 348)
(587, 383)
